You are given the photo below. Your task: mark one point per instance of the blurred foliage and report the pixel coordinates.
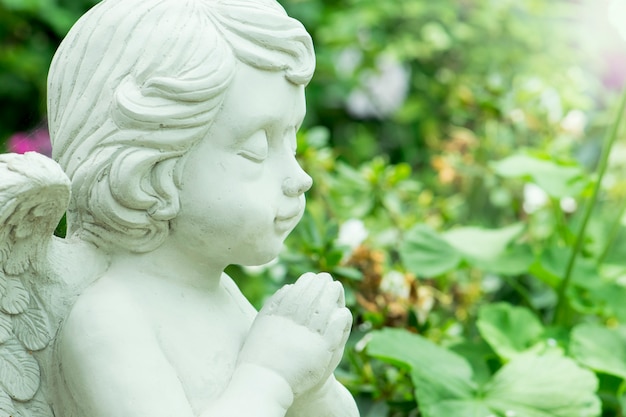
(463, 195)
(30, 31)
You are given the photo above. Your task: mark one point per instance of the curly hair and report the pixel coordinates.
(135, 85)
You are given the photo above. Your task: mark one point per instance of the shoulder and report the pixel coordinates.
(103, 312)
(110, 361)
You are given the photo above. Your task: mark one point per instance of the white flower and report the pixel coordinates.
(491, 283)
(568, 204)
(425, 303)
(617, 157)
(534, 198)
(352, 233)
(382, 91)
(348, 61)
(395, 283)
(551, 101)
(517, 116)
(574, 122)
(361, 344)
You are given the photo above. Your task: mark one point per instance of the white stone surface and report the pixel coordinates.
(174, 122)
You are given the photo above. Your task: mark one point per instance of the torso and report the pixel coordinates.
(199, 332)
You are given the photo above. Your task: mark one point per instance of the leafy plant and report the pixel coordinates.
(532, 384)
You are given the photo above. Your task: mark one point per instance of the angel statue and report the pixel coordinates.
(173, 123)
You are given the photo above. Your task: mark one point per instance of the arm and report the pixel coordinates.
(330, 400)
(112, 364)
(307, 326)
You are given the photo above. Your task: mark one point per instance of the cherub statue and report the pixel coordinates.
(174, 122)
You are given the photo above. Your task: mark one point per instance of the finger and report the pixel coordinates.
(308, 302)
(347, 328)
(338, 328)
(303, 283)
(273, 304)
(294, 299)
(330, 296)
(307, 276)
(324, 307)
(325, 276)
(341, 299)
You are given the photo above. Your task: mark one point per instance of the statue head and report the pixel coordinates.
(136, 85)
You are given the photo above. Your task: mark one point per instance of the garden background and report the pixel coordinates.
(470, 190)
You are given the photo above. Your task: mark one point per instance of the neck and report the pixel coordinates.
(169, 263)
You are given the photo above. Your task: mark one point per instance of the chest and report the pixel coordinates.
(201, 340)
(204, 357)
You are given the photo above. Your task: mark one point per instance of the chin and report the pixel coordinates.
(260, 255)
(259, 260)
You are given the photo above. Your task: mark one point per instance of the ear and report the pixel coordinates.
(141, 181)
(163, 183)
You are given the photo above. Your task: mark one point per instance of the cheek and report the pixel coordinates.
(234, 193)
(229, 211)
(238, 170)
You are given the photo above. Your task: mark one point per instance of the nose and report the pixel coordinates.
(296, 185)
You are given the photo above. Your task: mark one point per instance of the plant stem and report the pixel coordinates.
(609, 140)
(613, 232)
(561, 223)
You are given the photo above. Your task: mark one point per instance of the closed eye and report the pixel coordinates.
(253, 156)
(255, 148)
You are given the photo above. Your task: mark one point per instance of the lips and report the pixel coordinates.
(287, 221)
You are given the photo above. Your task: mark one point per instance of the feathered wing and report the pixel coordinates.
(34, 194)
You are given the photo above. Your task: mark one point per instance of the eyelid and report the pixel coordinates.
(252, 156)
(256, 148)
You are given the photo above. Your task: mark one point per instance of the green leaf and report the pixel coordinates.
(556, 180)
(606, 298)
(599, 348)
(462, 408)
(549, 385)
(614, 298)
(491, 250)
(531, 385)
(480, 243)
(426, 253)
(515, 260)
(477, 353)
(438, 374)
(509, 330)
(435, 35)
(552, 263)
(352, 274)
(317, 137)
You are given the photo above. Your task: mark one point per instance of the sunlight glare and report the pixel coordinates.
(617, 16)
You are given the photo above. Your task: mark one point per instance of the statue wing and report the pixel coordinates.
(34, 194)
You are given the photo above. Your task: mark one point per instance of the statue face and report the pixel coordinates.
(242, 188)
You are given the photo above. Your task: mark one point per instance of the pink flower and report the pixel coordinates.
(613, 77)
(36, 141)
